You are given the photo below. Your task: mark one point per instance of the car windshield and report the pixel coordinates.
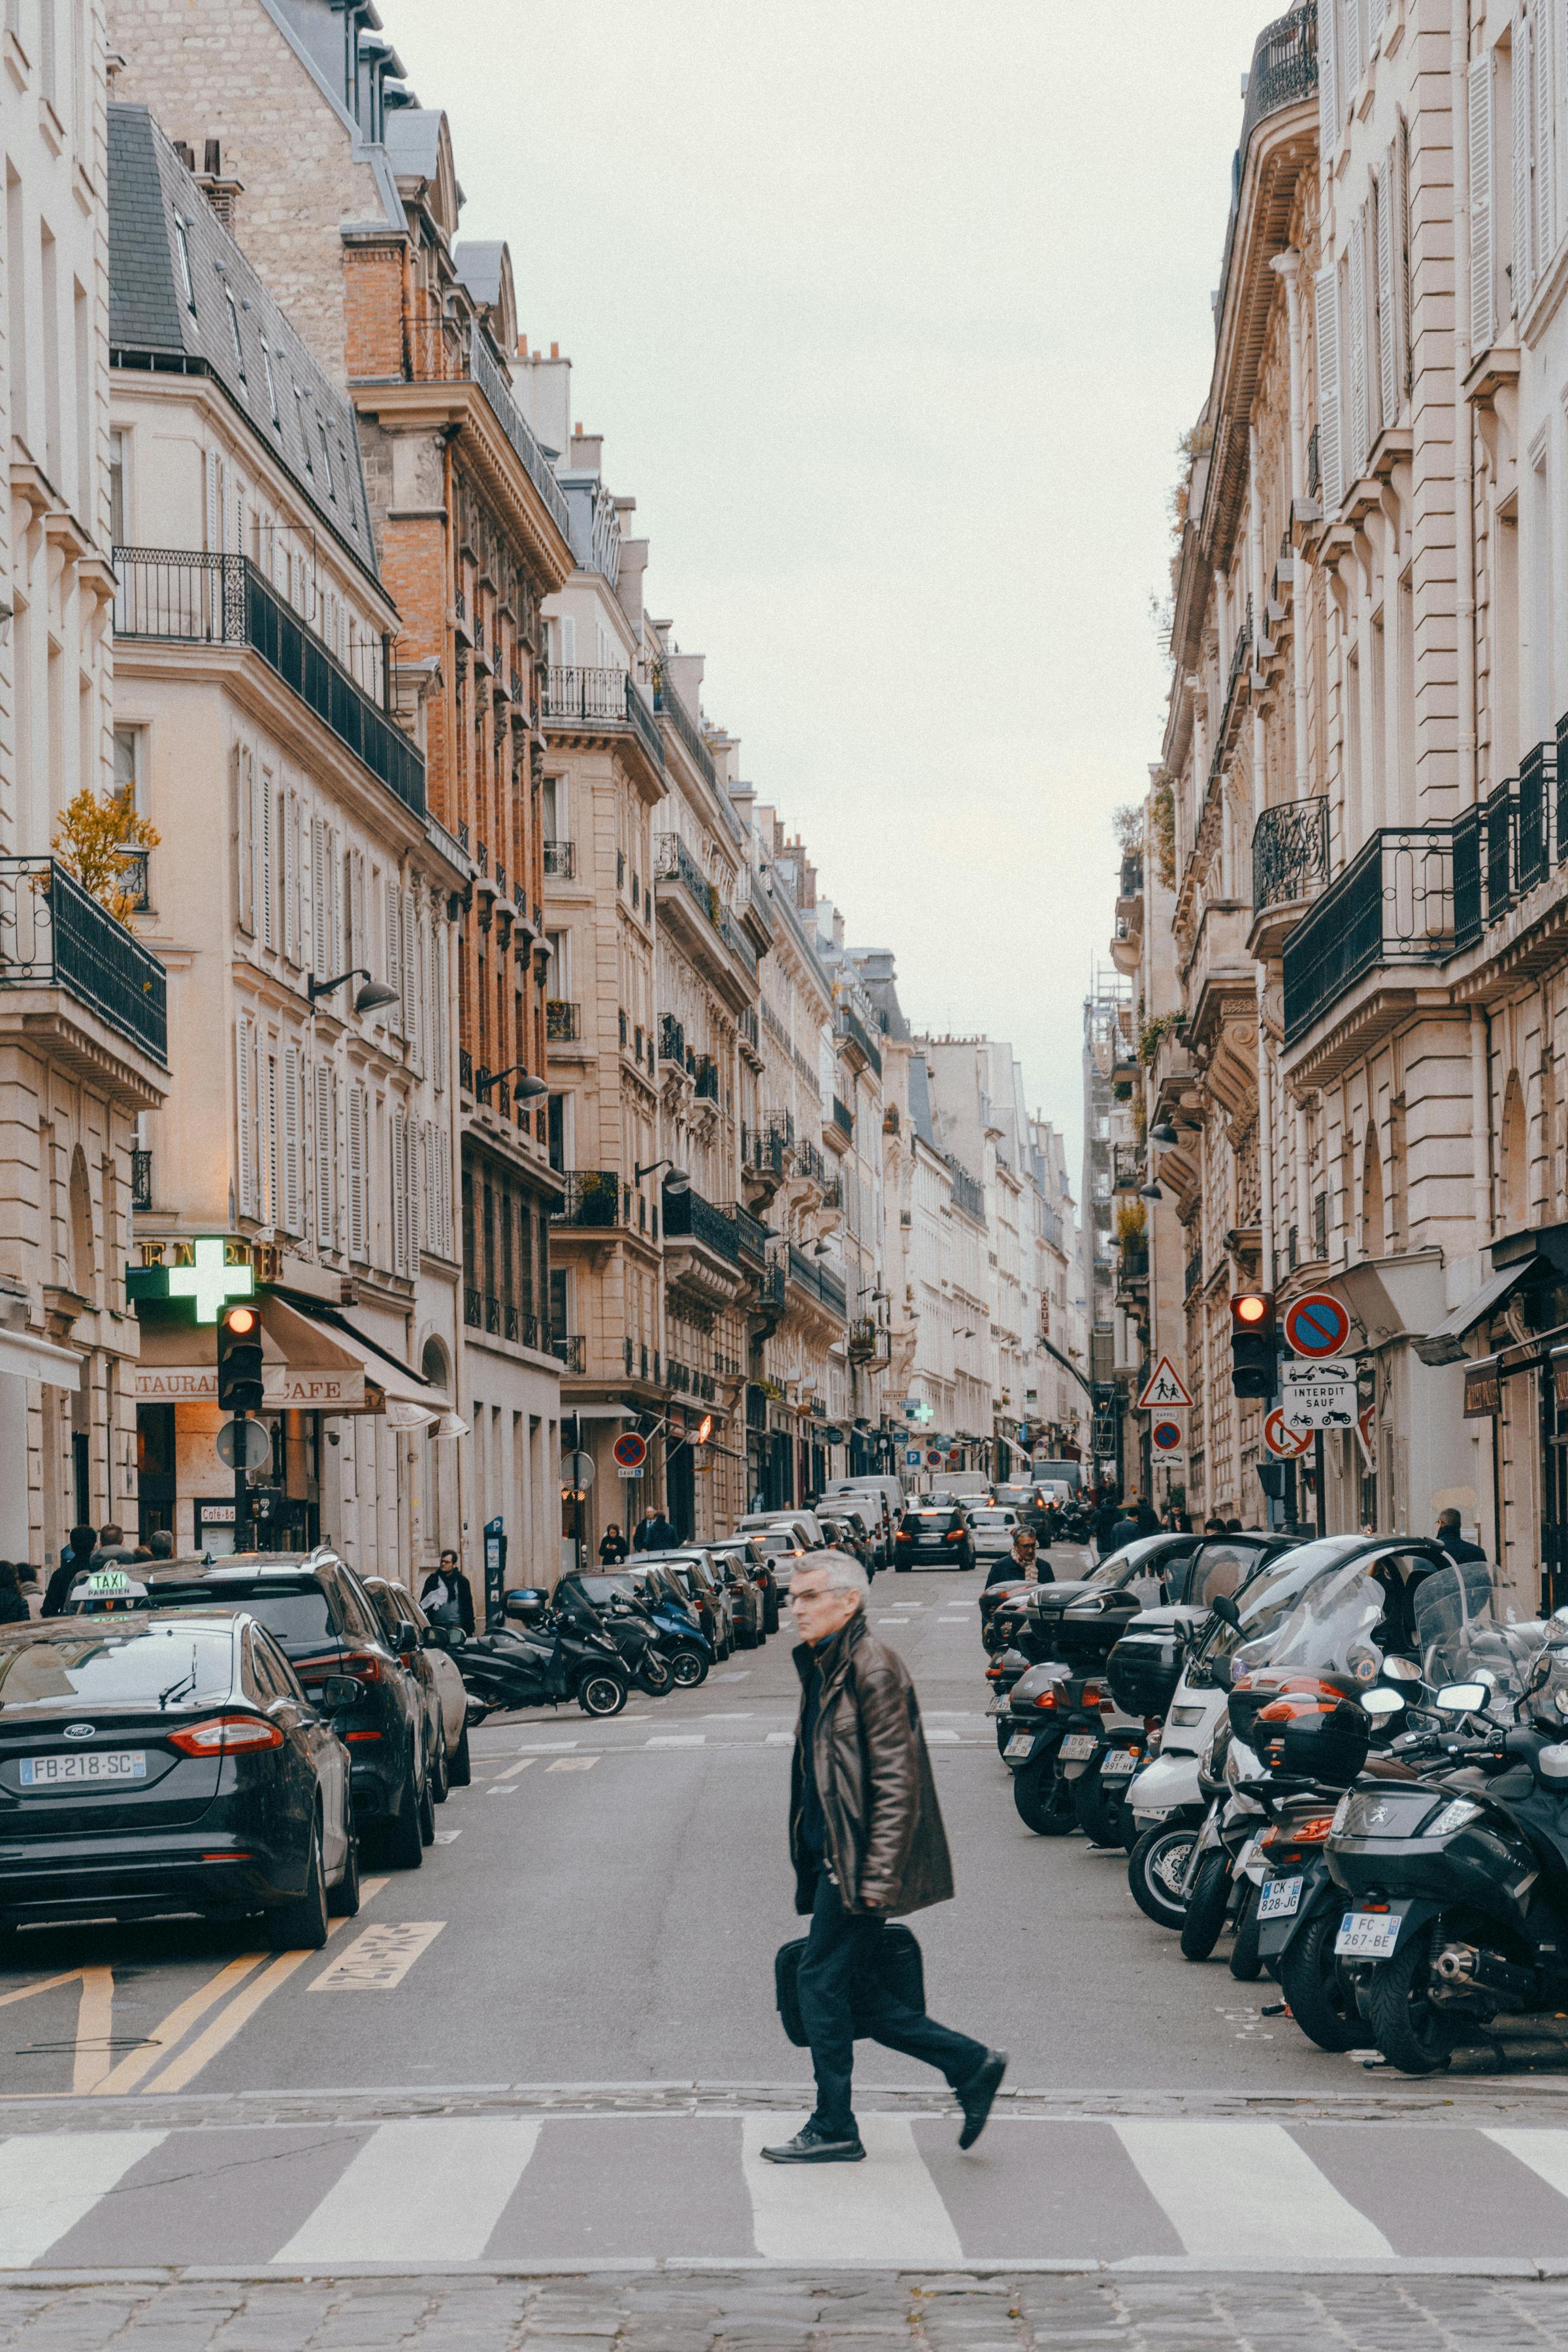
(1271, 1598)
(156, 1665)
(937, 1518)
(292, 1613)
(994, 1519)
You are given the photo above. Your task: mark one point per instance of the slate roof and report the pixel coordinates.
(157, 217)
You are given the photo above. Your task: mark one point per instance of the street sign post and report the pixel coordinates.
(1167, 1440)
(1164, 1391)
(1319, 1395)
(1317, 1324)
(1285, 1443)
(244, 1445)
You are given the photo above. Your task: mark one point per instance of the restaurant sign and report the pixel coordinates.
(1483, 1393)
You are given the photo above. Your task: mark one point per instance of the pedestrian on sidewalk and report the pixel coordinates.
(1451, 1535)
(653, 1532)
(868, 1845)
(14, 1609)
(446, 1596)
(612, 1545)
(75, 1560)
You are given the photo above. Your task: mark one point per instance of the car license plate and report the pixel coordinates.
(1119, 1761)
(1078, 1746)
(106, 1764)
(1367, 1935)
(1020, 1744)
(1280, 1899)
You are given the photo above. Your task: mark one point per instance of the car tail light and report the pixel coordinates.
(903, 1536)
(228, 1857)
(1314, 1832)
(955, 1535)
(354, 1736)
(363, 1664)
(1093, 1694)
(227, 1734)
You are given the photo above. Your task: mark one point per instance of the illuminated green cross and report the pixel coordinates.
(210, 1281)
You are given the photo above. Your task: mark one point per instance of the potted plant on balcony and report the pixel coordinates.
(101, 840)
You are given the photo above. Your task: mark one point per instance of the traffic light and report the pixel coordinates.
(239, 1383)
(1254, 1347)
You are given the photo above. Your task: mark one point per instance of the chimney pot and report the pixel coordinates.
(184, 151)
(522, 347)
(214, 153)
(555, 351)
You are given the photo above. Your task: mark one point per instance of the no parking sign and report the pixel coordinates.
(1167, 1438)
(1317, 1324)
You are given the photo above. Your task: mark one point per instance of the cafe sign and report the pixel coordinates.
(1483, 1392)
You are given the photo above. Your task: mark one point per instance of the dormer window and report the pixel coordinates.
(183, 254)
(326, 460)
(272, 387)
(304, 436)
(234, 330)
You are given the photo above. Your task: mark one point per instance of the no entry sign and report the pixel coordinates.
(1316, 1325)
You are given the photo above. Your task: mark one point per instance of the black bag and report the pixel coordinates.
(897, 1971)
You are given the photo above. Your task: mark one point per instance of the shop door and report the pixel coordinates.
(680, 1488)
(1554, 1489)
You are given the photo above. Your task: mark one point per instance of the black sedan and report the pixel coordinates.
(169, 1762)
(935, 1535)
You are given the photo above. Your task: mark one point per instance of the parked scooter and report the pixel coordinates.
(1038, 1708)
(542, 1661)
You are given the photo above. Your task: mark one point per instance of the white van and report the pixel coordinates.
(890, 1492)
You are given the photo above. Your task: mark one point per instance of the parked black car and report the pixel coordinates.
(750, 1553)
(169, 1761)
(396, 1614)
(732, 1567)
(934, 1535)
(325, 1623)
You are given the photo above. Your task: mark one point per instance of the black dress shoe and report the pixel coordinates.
(808, 2147)
(975, 2095)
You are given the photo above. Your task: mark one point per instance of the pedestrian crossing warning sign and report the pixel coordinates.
(1164, 1391)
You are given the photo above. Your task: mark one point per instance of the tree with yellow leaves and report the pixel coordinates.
(98, 840)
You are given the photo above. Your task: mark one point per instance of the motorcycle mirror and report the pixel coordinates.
(1226, 1610)
(1380, 1703)
(1551, 1763)
(1401, 1670)
(1459, 1699)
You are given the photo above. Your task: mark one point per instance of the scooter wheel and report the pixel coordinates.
(654, 1675)
(1043, 1802)
(1246, 1961)
(1410, 2032)
(1202, 1923)
(688, 1668)
(1317, 1994)
(1099, 1817)
(1155, 1869)
(599, 1693)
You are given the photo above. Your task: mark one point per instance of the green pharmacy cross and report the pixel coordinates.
(210, 1281)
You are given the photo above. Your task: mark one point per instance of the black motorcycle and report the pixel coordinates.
(625, 1620)
(542, 1661)
(1037, 1711)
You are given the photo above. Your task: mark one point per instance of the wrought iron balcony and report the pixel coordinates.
(595, 698)
(751, 1234)
(669, 705)
(1289, 853)
(688, 1217)
(1284, 73)
(750, 1034)
(1193, 1274)
(592, 1197)
(572, 1347)
(563, 1021)
(465, 1068)
(671, 1039)
(560, 861)
(53, 934)
(141, 1180)
(673, 862)
(707, 1078)
(169, 595)
(854, 1033)
(1394, 905)
(967, 1195)
(133, 876)
(1127, 1167)
(813, 1275)
(766, 1150)
(843, 1117)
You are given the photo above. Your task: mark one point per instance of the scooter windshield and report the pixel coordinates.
(1462, 1638)
(1271, 1598)
(1330, 1629)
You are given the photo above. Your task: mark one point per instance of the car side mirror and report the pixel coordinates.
(1226, 1610)
(406, 1637)
(341, 1690)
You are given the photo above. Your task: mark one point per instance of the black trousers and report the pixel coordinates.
(840, 1945)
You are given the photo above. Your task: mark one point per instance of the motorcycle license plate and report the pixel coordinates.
(1367, 1936)
(1020, 1744)
(1280, 1899)
(1118, 1764)
(1078, 1746)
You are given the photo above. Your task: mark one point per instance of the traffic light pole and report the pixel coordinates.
(1318, 1482)
(241, 1476)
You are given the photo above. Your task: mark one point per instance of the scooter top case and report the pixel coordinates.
(1145, 1666)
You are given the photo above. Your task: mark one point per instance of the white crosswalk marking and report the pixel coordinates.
(884, 2210)
(51, 2181)
(425, 2190)
(573, 1764)
(1545, 2152)
(1246, 2192)
(679, 1739)
(780, 1739)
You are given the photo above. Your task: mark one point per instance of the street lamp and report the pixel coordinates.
(369, 999)
(678, 1181)
(1150, 1191)
(1164, 1135)
(525, 1089)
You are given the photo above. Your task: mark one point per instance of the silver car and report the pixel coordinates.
(993, 1529)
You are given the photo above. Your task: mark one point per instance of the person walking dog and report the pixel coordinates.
(868, 1845)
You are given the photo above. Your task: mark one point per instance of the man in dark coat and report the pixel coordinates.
(868, 1845)
(1022, 1564)
(1454, 1543)
(75, 1561)
(447, 1596)
(653, 1532)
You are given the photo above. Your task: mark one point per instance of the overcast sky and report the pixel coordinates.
(890, 316)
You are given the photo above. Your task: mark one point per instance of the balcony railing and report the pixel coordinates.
(572, 1347)
(465, 1068)
(167, 595)
(1284, 73)
(133, 880)
(592, 1197)
(671, 1039)
(560, 861)
(813, 1277)
(53, 934)
(688, 1217)
(751, 1234)
(673, 862)
(853, 1029)
(141, 1180)
(707, 1078)
(749, 1033)
(563, 1021)
(766, 1150)
(1194, 1272)
(593, 697)
(437, 351)
(1127, 1167)
(967, 1195)
(843, 1118)
(1394, 904)
(735, 939)
(1289, 853)
(669, 705)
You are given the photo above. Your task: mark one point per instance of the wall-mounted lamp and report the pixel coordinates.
(524, 1091)
(678, 1181)
(369, 999)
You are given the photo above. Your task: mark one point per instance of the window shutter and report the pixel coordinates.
(1402, 256)
(269, 862)
(358, 945)
(1481, 268)
(1328, 81)
(1326, 317)
(438, 1006)
(1387, 332)
(358, 1174)
(335, 955)
(1379, 10)
(293, 947)
(292, 1220)
(414, 1148)
(270, 1139)
(420, 992)
(320, 901)
(397, 1126)
(244, 1112)
(393, 903)
(326, 1161)
(405, 974)
(1546, 32)
(1523, 119)
(244, 841)
(1356, 438)
(444, 1165)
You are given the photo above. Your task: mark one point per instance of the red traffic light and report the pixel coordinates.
(240, 1320)
(1252, 1311)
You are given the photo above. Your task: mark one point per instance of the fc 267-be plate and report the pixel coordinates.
(1367, 1936)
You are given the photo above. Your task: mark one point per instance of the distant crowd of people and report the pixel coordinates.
(87, 1548)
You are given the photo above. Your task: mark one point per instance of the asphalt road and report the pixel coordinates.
(603, 1904)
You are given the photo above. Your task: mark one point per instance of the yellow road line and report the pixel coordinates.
(94, 2025)
(44, 1984)
(240, 2010)
(176, 2025)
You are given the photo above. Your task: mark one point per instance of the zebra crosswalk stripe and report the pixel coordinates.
(887, 2211)
(1246, 2192)
(51, 2181)
(427, 2189)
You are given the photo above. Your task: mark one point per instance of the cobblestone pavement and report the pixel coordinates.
(667, 2312)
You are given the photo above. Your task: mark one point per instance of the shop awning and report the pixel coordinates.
(1446, 1344)
(28, 1358)
(305, 1369)
(385, 1378)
